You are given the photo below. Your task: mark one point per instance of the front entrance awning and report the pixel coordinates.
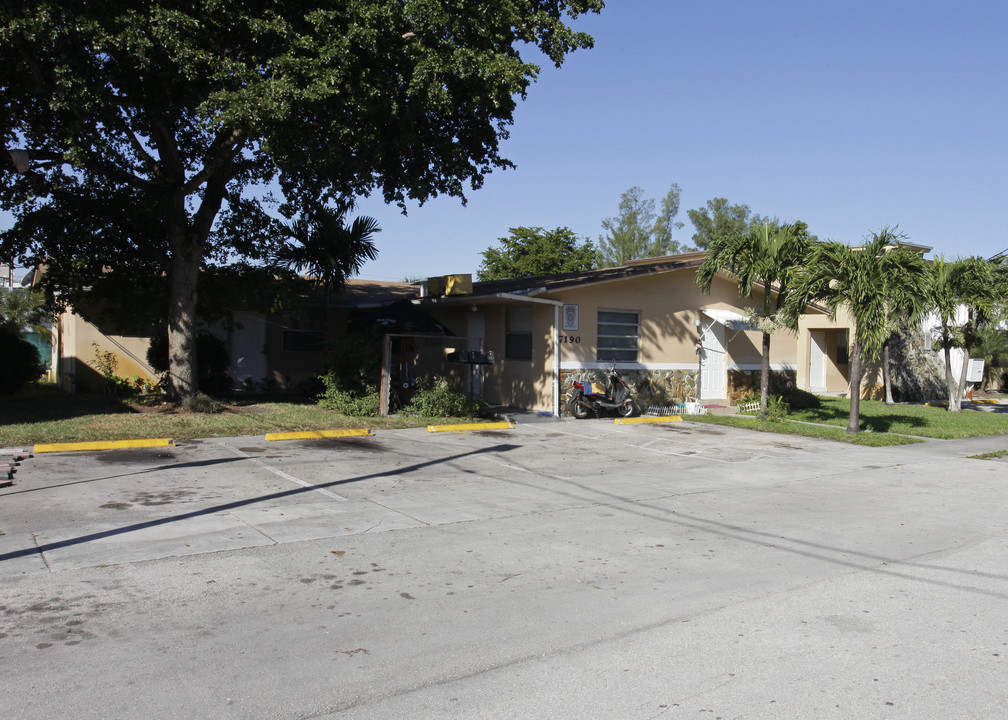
(729, 318)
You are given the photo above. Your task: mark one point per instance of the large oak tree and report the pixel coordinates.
(140, 136)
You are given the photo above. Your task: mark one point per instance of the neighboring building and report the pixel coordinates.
(268, 351)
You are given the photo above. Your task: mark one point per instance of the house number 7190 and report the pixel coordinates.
(570, 339)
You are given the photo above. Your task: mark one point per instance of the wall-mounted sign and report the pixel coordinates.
(570, 318)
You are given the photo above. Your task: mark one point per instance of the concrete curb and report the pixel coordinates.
(318, 434)
(658, 419)
(471, 426)
(103, 445)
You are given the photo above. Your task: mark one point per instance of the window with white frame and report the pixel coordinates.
(618, 335)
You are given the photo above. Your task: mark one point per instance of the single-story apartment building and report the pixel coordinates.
(669, 340)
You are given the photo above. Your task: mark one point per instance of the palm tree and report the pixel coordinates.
(870, 281)
(765, 256)
(328, 250)
(964, 294)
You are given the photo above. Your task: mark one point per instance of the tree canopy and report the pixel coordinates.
(639, 230)
(166, 137)
(965, 295)
(867, 280)
(719, 219)
(534, 251)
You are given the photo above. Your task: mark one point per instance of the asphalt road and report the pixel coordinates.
(557, 570)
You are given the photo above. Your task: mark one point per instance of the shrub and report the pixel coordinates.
(362, 402)
(777, 408)
(353, 366)
(436, 399)
(800, 399)
(201, 403)
(353, 363)
(19, 360)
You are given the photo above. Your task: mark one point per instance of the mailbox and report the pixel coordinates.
(473, 357)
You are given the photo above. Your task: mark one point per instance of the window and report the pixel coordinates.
(302, 341)
(618, 333)
(842, 348)
(518, 333)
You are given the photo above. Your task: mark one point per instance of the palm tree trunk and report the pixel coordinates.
(854, 426)
(764, 376)
(960, 389)
(950, 381)
(887, 374)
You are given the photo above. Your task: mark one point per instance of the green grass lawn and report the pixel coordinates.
(46, 415)
(880, 424)
(919, 420)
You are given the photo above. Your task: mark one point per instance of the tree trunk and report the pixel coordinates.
(187, 241)
(960, 384)
(887, 374)
(764, 376)
(854, 425)
(950, 381)
(182, 370)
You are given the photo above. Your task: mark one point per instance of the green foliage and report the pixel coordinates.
(871, 281)
(18, 358)
(201, 403)
(968, 295)
(639, 231)
(719, 219)
(766, 257)
(436, 399)
(144, 124)
(328, 250)
(875, 282)
(354, 362)
(25, 309)
(353, 365)
(535, 251)
(777, 408)
(363, 401)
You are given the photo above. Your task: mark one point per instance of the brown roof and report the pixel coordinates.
(375, 292)
(634, 268)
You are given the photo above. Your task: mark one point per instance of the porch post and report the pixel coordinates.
(386, 376)
(556, 361)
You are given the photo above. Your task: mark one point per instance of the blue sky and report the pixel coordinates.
(849, 116)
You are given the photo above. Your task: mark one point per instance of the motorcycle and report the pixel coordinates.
(594, 397)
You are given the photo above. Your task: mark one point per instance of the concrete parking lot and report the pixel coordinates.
(559, 569)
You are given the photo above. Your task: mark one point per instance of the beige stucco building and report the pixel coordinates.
(544, 332)
(648, 317)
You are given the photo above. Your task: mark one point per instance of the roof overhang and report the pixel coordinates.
(729, 318)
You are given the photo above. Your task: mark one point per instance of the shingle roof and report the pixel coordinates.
(634, 268)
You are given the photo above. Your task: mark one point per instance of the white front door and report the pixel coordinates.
(817, 361)
(712, 363)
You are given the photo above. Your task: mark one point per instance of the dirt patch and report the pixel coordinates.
(164, 407)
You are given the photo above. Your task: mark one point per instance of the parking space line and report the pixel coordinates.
(280, 473)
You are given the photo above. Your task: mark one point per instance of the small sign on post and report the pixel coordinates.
(974, 373)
